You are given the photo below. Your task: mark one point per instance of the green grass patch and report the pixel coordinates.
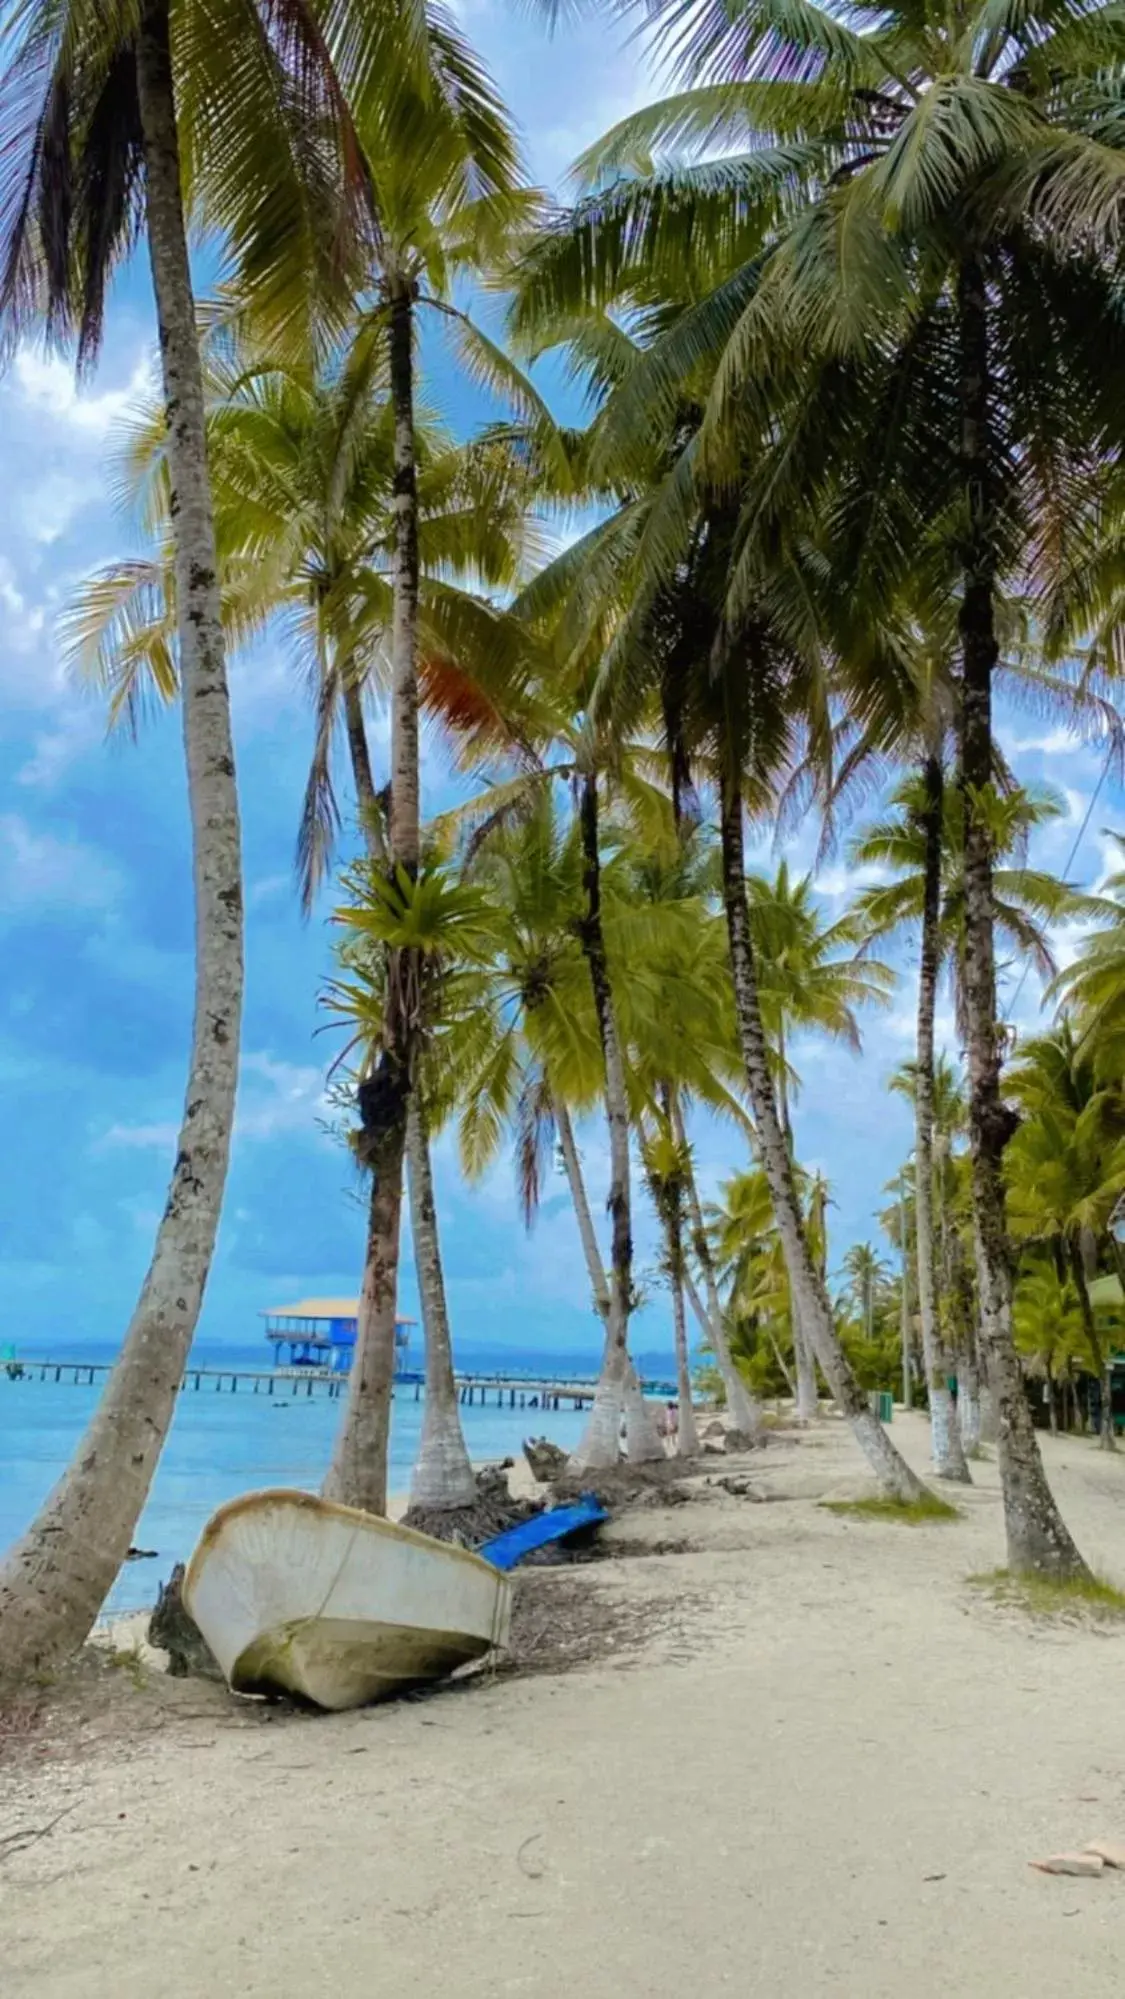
(1073, 1597)
(910, 1512)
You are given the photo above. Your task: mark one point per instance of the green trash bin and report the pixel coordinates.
(882, 1405)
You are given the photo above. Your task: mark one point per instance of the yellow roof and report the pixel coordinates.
(321, 1308)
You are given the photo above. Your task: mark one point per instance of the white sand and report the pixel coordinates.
(827, 1775)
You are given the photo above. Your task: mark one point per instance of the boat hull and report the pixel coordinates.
(297, 1595)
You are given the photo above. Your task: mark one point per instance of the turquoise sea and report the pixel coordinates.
(223, 1444)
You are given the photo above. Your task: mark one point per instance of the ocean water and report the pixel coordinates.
(221, 1445)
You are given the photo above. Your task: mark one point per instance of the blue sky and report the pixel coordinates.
(95, 920)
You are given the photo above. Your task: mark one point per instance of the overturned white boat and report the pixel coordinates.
(298, 1595)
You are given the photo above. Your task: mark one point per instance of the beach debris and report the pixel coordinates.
(1111, 1851)
(546, 1460)
(27, 1835)
(1090, 1864)
(715, 1428)
(741, 1440)
(716, 1446)
(172, 1630)
(493, 1512)
(143, 1555)
(739, 1488)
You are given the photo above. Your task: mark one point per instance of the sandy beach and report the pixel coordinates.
(803, 1756)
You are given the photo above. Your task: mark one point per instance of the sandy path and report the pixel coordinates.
(825, 1774)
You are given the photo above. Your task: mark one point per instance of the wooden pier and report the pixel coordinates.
(474, 1390)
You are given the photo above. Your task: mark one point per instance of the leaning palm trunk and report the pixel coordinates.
(443, 1476)
(358, 1472)
(55, 1580)
(806, 1287)
(1037, 1536)
(744, 1408)
(596, 1448)
(945, 1436)
(572, 1166)
(807, 1403)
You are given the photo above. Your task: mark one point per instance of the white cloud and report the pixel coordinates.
(38, 870)
(839, 879)
(278, 1097)
(275, 1098)
(50, 506)
(23, 622)
(53, 751)
(47, 384)
(1056, 743)
(268, 889)
(142, 1137)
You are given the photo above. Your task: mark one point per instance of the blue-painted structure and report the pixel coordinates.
(321, 1332)
(557, 1524)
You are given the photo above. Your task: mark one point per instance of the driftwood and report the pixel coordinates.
(546, 1460)
(173, 1631)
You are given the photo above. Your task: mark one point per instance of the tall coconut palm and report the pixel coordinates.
(553, 988)
(108, 120)
(664, 1165)
(812, 977)
(956, 345)
(1066, 1172)
(444, 157)
(681, 1047)
(867, 1275)
(922, 842)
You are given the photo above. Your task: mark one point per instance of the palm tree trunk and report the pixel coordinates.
(358, 1472)
(366, 796)
(593, 1451)
(572, 1166)
(55, 1579)
(805, 1284)
(744, 1408)
(1102, 1361)
(945, 1436)
(442, 1476)
(904, 1298)
(687, 1434)
(1038, 1538)
(609, 1396)
(807, 1405)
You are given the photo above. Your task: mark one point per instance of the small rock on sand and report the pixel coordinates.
(1111, 1851)
(1070, 1863)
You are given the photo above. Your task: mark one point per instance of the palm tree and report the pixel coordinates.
(811, 977)
(664, 1164)
(99, 117)
(447, 215)
(868, 1274)
(940, 342)
(681, 1046)
(1048, 1324)
(1066, 1172)
(922, 841)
